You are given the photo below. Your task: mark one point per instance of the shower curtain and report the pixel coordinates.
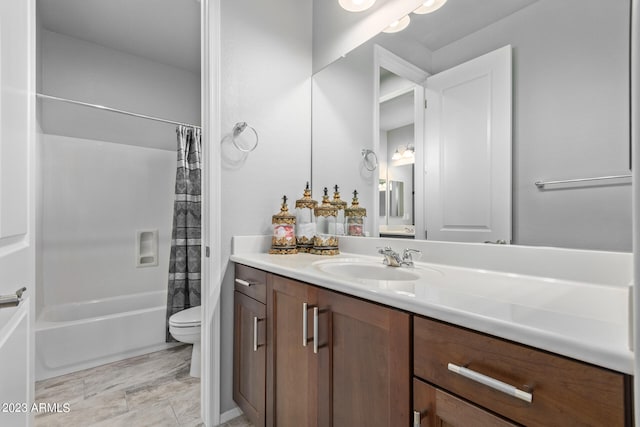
(184, 261)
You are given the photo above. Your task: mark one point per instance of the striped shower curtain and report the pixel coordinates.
(184, 261)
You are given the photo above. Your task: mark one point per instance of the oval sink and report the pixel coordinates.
(366, 270)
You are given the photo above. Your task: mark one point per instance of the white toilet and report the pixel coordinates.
(184, 326)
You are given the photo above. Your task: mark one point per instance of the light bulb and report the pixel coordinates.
(356, 5)
(396, 155)
(398, 25)
(429, 6)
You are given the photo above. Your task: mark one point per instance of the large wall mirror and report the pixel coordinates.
(562, 70)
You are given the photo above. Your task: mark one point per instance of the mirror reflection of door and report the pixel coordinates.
(397, 146)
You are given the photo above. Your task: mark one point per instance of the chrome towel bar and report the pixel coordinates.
(541, 184)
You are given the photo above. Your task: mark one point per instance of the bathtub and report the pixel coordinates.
(75, 336)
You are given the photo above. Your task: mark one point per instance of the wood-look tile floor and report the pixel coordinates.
(240, 421)
(154, 389)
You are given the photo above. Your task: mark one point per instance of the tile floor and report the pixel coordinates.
(154, 389)
(240, 421)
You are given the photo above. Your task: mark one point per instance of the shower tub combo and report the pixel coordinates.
(75, 336)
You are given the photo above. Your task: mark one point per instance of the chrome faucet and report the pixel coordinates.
(394, 259)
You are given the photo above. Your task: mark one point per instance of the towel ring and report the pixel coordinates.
(237, 131)
(370, 159)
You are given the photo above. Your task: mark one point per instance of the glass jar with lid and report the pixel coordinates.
(355, 217)
(325, 241)
(283, 238)
(340, 205)
(305, 221)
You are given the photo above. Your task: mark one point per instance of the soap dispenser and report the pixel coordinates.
(340, 205)
(354, 217)
(305, 221)
(325, 241)
(283, 239)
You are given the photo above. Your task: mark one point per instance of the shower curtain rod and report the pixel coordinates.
(114, 110)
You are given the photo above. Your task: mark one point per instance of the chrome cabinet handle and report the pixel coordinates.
(255, 333)
(315, 329)
(416, 418)
(491, 382)
(305, 322)
(243, 282)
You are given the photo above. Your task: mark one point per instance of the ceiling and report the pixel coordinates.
(164, 31)
(459, 18)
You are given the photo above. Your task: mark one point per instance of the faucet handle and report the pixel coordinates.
(408, 254)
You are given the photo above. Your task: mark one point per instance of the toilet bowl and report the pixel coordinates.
(184, 326)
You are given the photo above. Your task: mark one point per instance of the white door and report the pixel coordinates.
(17, 199)
(468, 151)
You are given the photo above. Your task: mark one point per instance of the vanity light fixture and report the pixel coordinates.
(409, 152)
(402, 152)
(356, 5)
(398, 25)
(429, 6)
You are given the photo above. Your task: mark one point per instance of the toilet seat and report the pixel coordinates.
(191, 317)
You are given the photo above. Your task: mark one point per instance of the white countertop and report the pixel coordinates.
(584, 321)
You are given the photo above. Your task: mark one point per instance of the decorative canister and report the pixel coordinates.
(305, 221)
(283, 239)
(325, 241)
(354, 217)
(341, 205)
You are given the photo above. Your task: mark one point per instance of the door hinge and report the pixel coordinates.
(207, 251)
(425, 234)
(425, 104)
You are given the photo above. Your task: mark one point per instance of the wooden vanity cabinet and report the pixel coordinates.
(563, 391)
(309, 357)
(249, 343)
(436, 408)
(353, 372)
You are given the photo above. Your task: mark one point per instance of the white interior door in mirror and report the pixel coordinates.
(468, 151)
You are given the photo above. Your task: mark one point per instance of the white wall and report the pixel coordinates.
(570, 120)
(95, 196)
(84, 71)
(266, 69)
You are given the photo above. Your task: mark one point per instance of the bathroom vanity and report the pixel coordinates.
(348, 341)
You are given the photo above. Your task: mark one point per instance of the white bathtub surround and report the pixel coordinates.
(75, 336)
(149, 390)
(96, 196)
(570, 302)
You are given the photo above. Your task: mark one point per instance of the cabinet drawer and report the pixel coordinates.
(564, 391)
(251, 282)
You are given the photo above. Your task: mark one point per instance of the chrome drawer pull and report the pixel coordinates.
(315, 329)
(255, 333)
(416, 418)
(491, 382)
(243, 282)
(305, 322)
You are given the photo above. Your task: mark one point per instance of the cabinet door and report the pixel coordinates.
(363, 356)
(249, 377)
(440, 409)
(291, 365)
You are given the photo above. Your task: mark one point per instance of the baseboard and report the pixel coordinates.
(230, 414)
